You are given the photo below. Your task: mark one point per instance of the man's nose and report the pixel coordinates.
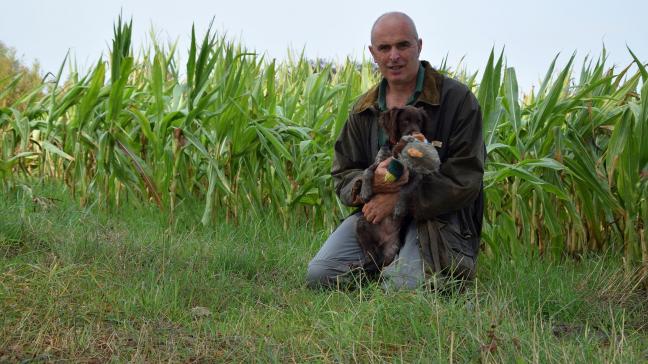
(394, 54)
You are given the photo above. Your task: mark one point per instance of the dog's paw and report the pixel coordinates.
(383, 153)
(366, 190)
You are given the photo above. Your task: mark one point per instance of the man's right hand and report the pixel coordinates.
(379, 183)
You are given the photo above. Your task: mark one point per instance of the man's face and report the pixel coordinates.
(396, 50)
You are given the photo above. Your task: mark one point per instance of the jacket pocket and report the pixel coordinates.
(457, 253)
(456, 240)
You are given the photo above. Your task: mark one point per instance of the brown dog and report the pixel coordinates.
(381, 242)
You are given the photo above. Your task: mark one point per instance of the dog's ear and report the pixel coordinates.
(383, 120)
(422, 115)
(389, 121)
(396, 132)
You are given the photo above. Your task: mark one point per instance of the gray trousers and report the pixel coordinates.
(331, 266)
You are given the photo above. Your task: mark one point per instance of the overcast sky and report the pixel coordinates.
(532, 32)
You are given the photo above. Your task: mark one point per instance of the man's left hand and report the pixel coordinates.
(379, 207)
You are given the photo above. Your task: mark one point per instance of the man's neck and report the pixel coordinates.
(398, 94)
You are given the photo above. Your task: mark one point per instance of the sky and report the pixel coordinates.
(531, 33)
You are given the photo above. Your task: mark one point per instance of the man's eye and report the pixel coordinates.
(384, 48)
(403, 46)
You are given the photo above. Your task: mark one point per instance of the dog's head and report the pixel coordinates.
(401, 121)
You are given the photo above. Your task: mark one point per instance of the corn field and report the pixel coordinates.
(567, 169)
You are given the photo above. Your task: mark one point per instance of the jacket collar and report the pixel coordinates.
(431, 94)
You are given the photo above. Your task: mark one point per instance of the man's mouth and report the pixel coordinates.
(395, 68)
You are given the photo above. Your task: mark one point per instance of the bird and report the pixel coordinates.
(419, 155)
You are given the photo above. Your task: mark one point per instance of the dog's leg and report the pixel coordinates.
(389, 240)
(400, 210)
(383, 154)
(369, 239)
(366, 190)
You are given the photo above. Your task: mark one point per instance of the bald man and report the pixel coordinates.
(441, 235)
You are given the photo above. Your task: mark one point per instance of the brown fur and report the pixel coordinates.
(401, 121)
(381, 242)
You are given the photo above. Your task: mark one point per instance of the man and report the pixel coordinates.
(441, 238)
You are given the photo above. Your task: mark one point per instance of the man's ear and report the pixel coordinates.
(371, 50)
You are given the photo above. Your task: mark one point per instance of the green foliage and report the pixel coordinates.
(566, 172)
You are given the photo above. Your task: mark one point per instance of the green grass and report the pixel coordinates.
(94, 285)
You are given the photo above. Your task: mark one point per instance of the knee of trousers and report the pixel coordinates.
(323, 273)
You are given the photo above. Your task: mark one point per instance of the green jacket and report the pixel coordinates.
(448, 205)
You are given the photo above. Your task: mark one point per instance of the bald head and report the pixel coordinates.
(396, 47)
(392, 18)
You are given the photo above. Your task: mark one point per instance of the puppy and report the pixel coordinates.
(381, 242)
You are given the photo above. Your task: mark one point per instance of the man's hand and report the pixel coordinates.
(379, 207)
(379, 184)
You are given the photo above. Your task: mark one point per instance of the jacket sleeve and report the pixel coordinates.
(349, 162)
(459, 179)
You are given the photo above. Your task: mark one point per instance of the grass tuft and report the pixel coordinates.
(87, 285)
